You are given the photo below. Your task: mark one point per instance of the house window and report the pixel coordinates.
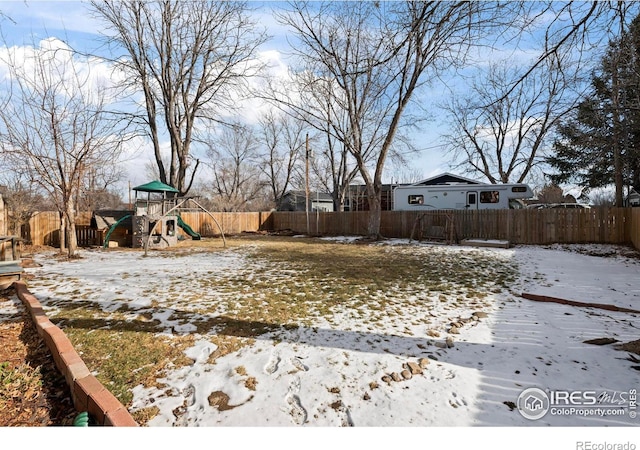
(416, 199)
(489, 197)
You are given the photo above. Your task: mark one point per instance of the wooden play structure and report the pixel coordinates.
(155, 219)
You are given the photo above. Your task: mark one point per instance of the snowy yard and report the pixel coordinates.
(296, 354)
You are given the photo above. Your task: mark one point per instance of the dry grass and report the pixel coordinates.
(286, 283)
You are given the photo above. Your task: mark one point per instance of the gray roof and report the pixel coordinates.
(446, 178)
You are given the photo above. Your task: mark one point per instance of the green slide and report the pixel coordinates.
(113, 227)
(195, 236)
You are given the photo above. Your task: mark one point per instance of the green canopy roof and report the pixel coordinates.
(155, 186)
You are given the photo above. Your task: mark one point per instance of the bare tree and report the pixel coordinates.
(23, 199)
(502, 135)
(282, 147)
(569, 28)
(54, 126)
(237, 183)
(376, 56)
(189, 59)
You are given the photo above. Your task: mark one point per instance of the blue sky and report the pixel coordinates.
(26, 22)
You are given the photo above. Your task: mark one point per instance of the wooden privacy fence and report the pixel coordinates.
(635, 228)
(525, 226)
(44, 227)
(231, 223)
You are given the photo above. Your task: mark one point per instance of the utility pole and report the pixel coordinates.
(306, 202)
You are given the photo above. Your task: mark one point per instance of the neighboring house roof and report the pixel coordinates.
(446, 178)
(155, 186)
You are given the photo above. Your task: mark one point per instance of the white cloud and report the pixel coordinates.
(57, 61)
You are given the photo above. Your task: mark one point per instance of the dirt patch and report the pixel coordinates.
(601, 341)
(562, 301)
(631, 347)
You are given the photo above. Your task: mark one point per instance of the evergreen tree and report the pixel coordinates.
(599, 143)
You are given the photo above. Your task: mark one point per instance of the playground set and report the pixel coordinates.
(154, 221)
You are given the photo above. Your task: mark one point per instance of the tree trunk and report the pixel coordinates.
(617, 132)
(375, 212)
(63, 233)
(72, 239)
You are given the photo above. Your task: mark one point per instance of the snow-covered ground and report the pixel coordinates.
(331, 375)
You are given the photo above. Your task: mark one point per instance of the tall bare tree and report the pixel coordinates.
(237, 182)
(308, 99)
(503, 136)
(189, 59)
(377, 55)
(55, 127)
(282, 145)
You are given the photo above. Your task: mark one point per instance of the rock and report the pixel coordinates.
(441, 344)
(395, 376)
(406, 374)
(423, 363)
(511, 405)
(449, 342)
(414, 368)
(387, 379)
(366, 396)
(454, 330)
(433, 333)
(481, 314)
